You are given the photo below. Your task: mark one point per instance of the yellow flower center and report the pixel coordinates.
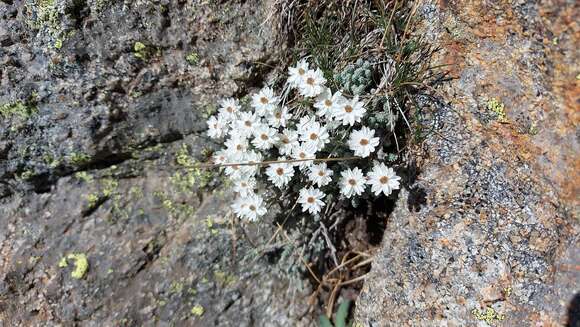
(348, 109)
(310, 199)
(327, 103)
(364, 142)
(264, 137)
(352, 181)
(301, 71)
(384, 180)
(310, 81)
(264, 100)
(313, 136)
(252, 207)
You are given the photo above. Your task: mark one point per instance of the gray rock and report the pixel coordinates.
(495, 241)
(93, 170)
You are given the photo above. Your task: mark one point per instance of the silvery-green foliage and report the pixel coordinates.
(356, 78)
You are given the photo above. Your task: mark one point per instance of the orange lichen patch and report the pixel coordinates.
(494, 21)
(454, 57)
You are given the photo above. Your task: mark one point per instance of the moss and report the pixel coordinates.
(498, 108)
(192, 58)
(197, 310)
(81, 264)
(489, 315)
(17, 109)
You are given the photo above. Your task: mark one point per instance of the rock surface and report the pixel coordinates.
(488, 232)
(115, 96)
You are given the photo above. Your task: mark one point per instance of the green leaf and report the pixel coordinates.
(324, 322)
(342, 314)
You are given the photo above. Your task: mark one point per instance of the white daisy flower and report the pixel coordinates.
(217, 128)
(383, 179)
(239, 168)
(255, 207)
(246, 124)
(239, 206)
(287, 141)
(279, 117)
(264, 137)
(235, 171)
(363, 142)
(251, 157)
(280, 173)
(265, 101)
(229, 109)
(352, 182)
(304, 151)
(313, 83)
(320, 175)
(350, 111)
(305, 123)
(235, 145)
(327, 102)
(297, 73)
(245, 187)
(220, 157)
(311, 200)
(315, 134)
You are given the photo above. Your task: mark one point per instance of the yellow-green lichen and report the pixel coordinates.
(109, 186)
(507, 291)
(62, 263)
(92, 200)
(197, 310)
(17, 109)
(27, 174)
(140, 50)
(498, 108)
(50, 160)
(78, 158)
(224, 278)
(84, 176)
(58, 44)
(81, 264)
(489, 315)
(192, 58)
(175, 287)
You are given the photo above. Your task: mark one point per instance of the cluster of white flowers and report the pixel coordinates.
(289, 138)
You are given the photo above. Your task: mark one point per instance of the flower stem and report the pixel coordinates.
(269, 162)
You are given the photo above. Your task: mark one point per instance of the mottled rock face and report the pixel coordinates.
(495, 241)
(117, 93)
